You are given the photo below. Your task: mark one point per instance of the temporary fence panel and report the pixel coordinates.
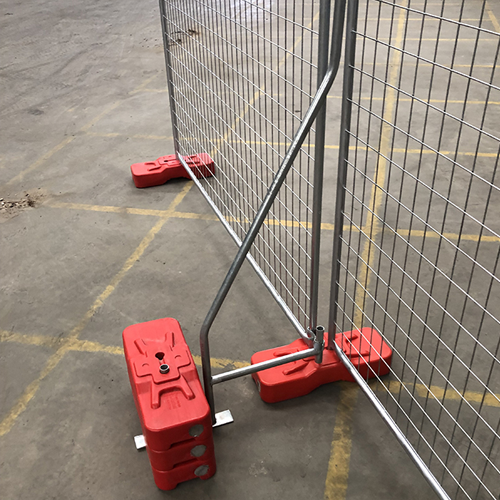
(417, 221)
(417, 229)
(247, 81)
(242, 76)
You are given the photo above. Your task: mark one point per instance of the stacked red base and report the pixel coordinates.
(364, 347)
(154, 173)
(172, 408)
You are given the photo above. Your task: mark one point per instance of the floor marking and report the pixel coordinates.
(221, 362)
(340, 453)
(40, 161)
(419, 19)
(106, 209)
(394, 150)
(450, 236)
(155, 91)
(28, 394)
(20, 176)
(337, 476)
(418, 99)
(144, 84)
(428, 65)
(70, 342)
(495, 40)
(416, 151)
(258, 93)
(270, 222)
(434, 392)
(134, 136)
(90, 346)
(19, 338)
(493, 18)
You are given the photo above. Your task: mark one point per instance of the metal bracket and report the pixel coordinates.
(140, 442)
(223, 418)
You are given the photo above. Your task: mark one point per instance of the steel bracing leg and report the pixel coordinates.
(310, 116)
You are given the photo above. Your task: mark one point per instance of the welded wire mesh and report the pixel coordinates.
(243, 74)
(420, 248)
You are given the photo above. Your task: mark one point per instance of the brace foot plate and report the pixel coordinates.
(223, 418)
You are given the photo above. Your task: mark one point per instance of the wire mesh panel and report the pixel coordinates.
(418, 256)
(243, 73)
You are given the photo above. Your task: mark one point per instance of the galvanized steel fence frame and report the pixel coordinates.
(223, 24)
(221, 64)
(424, 83)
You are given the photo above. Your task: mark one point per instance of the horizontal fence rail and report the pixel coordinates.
(419, 198)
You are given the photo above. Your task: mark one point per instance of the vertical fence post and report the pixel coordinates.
(345, 125)
(319, 159)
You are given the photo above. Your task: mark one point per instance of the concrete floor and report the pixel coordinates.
(84, 254)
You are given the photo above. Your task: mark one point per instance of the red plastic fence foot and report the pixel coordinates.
(174, 413)
(154, 173)
(301, 377)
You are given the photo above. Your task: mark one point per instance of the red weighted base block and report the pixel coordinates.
(173, 411)
(154, 173)
(365, 348)
(168, 480)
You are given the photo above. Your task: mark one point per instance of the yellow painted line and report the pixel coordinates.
(488, 66)
(221, 362)
(78, 345)
(91, 346)
(444, 40)
(426, 4)
(144, 84)
(432, 101)
(190, 215)
(237, 120)
(256, 96)
(340, 452)
(270, 222)
(28, 394)
(373, 226)
(393, 386)
(30, 391)
(492, 17)
(56, 342)
(445, 153)
(429, 65)
(419, 19)
(20, 176)
(134, 136)
(364, 148)
(450, 236)
(108, 209)
(328, 146)
(19, 338)
(338, 466)
(154, 91)
(49, 154)
(136, 255)
(396, 387)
